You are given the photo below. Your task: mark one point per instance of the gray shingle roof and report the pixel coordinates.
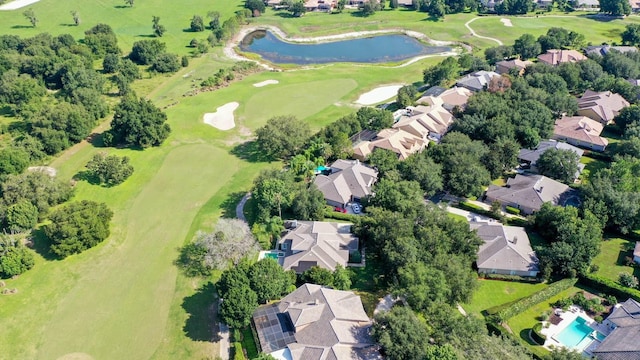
(326, 324)
(623, 343)
(348, 179)
(504, 248)
(532, 155)
(531, 191)
(478, 80)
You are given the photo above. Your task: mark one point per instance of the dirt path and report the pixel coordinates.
(473, 33)
(240, 207)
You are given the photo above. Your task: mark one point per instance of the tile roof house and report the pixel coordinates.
(531, 156)
(623, 341)
(320, 5)
(315, 323)
(477, 81)
(601, 106)
(603, 50)
(580, 131)
(503, 67)
(427, 122)
(635, 6)
(316, 243)
(529, 192)
(397, 140)
(448, 99)
(555, 57)
(506, 250)
(348, 181)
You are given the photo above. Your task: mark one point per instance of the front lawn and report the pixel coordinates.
(495, 292)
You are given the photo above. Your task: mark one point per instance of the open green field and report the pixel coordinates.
(611, 260)
(494, 292)
(124, 299)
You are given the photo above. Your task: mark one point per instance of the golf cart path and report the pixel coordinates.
(473, 33)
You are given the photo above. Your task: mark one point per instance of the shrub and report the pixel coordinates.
(331, 214)
(109, 169)
(15, 258)
(609, 287)
(237, 351)
(509, 277)
(512, 210)
(628, 280)
(21, 216)
(537, 335)
(166, 63)
(598, 319)
(533, 299)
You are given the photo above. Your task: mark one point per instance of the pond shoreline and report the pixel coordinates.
(231, 46)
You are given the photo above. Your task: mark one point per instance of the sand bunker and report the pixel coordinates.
(265, 83)
(506, 22)
(76, 356)
(13, 5)
(223, 118)
(378, 95)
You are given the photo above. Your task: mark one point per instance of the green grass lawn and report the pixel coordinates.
(494, 292)
(520, 324)
(611, 260)
(591, 166)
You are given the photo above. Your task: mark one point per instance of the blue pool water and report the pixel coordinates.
(574, 334)
(377, 49)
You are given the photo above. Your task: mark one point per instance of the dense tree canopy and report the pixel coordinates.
(109, 169)
(615, 7)
(138, 123)
(282, 136)
(559, 164)
(15, 258)
(401, 334)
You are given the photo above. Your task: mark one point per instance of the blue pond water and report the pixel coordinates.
(377, 49)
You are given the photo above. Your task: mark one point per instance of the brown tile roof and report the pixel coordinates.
(396, 140)
(580, 128)
(425, 120)
(450, 98)
(601, 106)
(503, 67)
(555, 57)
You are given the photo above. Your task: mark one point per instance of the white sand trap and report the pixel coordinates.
(266, 82)
(13, 5)
(506, 22)
(378, 95)
(222, 119)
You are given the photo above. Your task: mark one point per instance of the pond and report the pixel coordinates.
(377, 49)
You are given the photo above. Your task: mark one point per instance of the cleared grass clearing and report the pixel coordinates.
(612, 257)
(494, 292)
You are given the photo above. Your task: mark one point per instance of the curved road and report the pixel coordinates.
(473, 33)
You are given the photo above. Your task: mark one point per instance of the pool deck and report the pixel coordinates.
(568, 317)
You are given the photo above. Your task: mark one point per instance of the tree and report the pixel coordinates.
(15, 258)
(78, 226)
(559, 164)
(422, 169)
(129, 2)
(341, 278)
(139, 123)
(498, 53)
(565, 354)
(297, 9)
(319, 276)
(397, 195)
(269, 280)
(144, 52)
(256, 6)
(273, 191)
(21, 216)
(444, 352)
(238, 306)
(230, 241)
(158, 29)
(615, 7)
(38, 188)
(76, 17)
(166, 63)
(13, 160)
(101, 39)
(282, 136)
(309, 204)
(628, 280)
(109, 169)
(631, 34)
(369, 7)
(400, 334)
(31, 16)
(436, 9)
(374, 119)
(17, 90)
(422, 286)
(197, 24)
(214, 22)
(439, 74)
(393, 4)
(406, 96)
(111, 63)
(527, 47)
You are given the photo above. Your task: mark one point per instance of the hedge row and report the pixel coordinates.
(237, 351)
(536, 334)
(512, 210)
(533, 299)
(502, 277)
(609, 287)
(331, 214)
(477, 209)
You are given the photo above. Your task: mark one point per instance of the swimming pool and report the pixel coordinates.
(578, 335)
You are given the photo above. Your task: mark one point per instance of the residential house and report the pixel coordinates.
(315, 323)
(448, 99)
(405, 3)
(427, 122)
(503, 67)
(636, 253)
(587, 5)
(580, 131)
(316, 243)
(622, 342)
(543, 4)
(601, 106)
(555, 57)
(529, 192)
(603, 50)
(320, 5)
(531, 156)
(635, 6)
(397, 140)
(348, 181)
(506, 250)
(477, 81)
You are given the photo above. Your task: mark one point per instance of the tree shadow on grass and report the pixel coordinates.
(85, 175)
(230, 203)
(524, 335)
(249, 151)
(22, 27)
(201, 307)
(42, 245)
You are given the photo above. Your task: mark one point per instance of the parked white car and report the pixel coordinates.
(357, 208)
